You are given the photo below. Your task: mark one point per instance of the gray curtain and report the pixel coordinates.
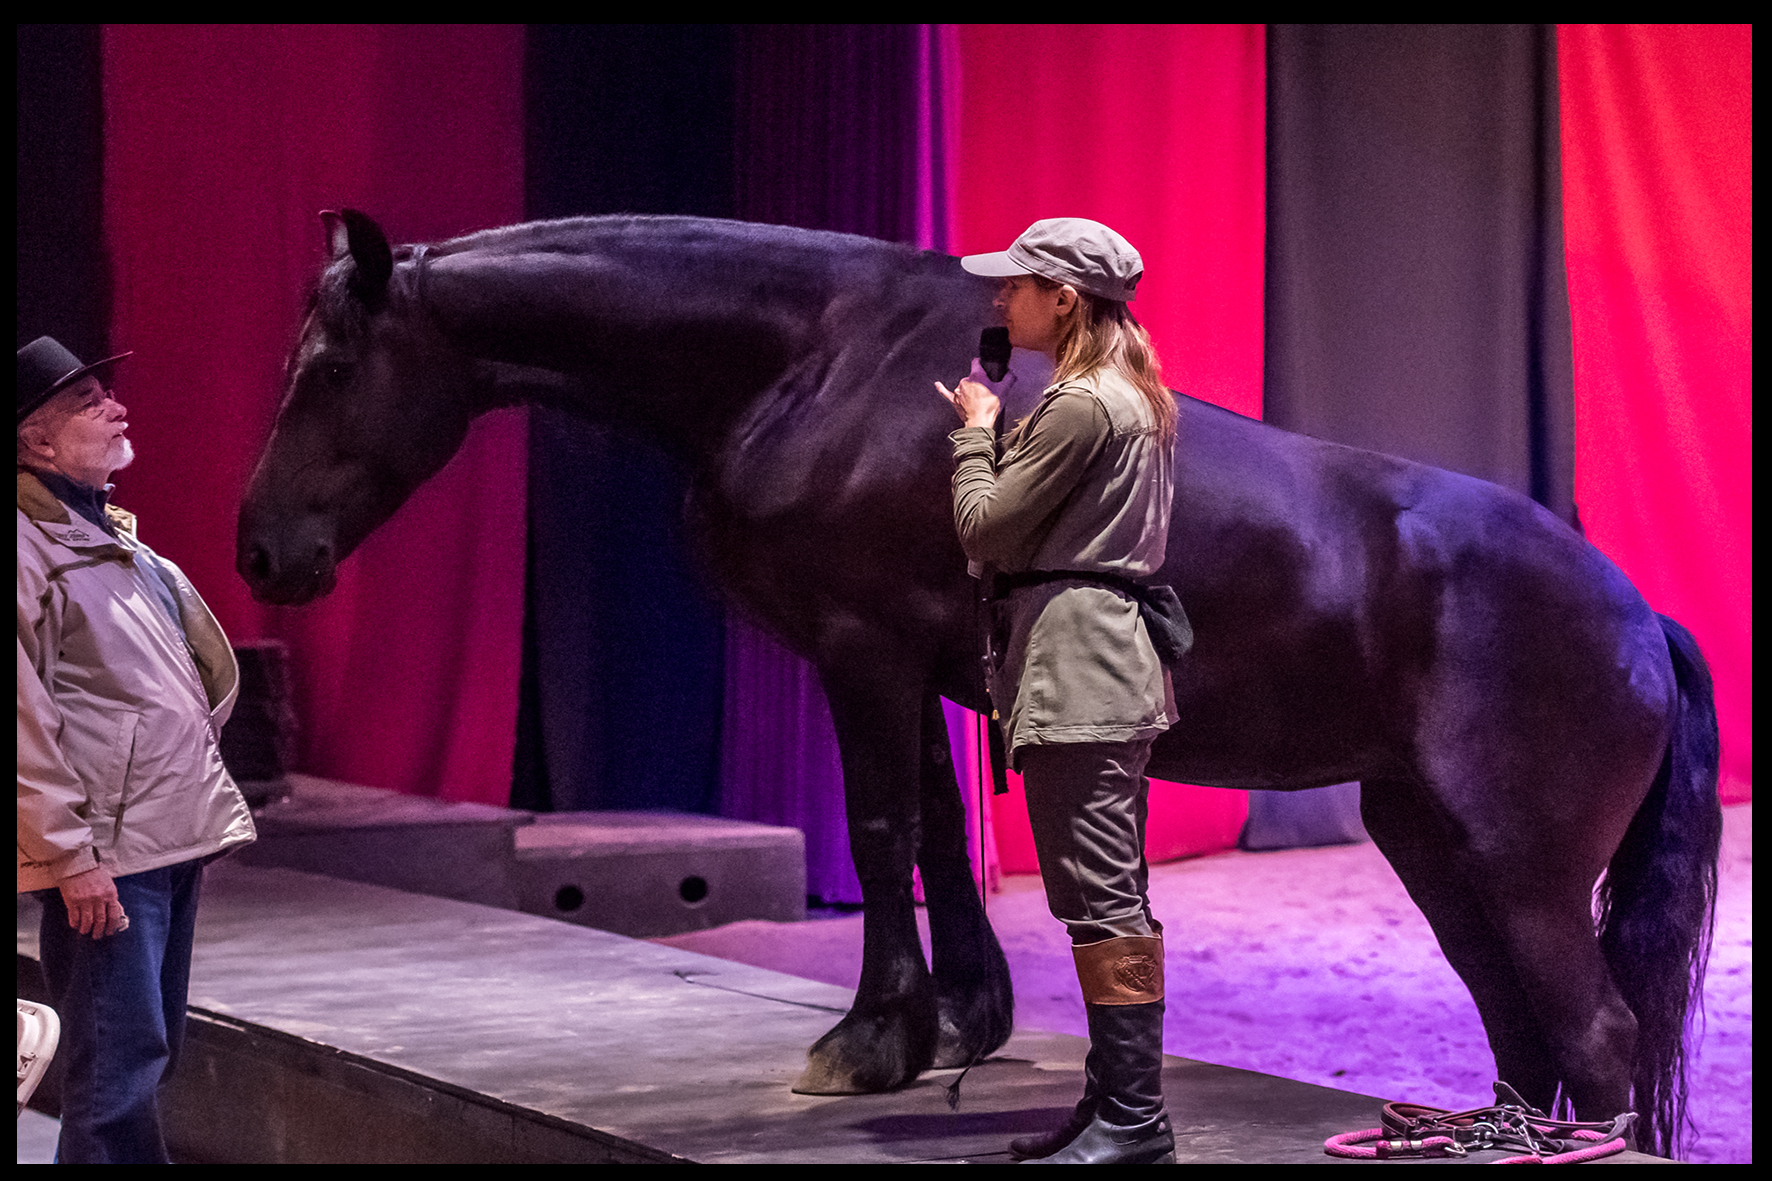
(1416, 298)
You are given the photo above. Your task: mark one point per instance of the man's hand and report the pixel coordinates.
(93, 906)
(976, 398)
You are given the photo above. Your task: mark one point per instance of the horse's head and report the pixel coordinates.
(374, 403)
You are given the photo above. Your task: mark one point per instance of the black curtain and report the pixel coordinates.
(623, 644)
(1416, 299)
(63, 277)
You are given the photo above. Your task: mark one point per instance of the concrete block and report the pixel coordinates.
(384, 838)
(644, 874)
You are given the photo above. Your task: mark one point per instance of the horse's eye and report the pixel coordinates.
(336, 374)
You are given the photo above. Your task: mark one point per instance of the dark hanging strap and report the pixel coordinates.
(991, 587)
(999, 757)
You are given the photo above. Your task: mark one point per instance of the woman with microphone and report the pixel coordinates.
(1073, 510)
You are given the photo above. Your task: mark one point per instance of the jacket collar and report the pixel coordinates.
(37, 502)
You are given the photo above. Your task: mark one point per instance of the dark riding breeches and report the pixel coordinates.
(1088, 802)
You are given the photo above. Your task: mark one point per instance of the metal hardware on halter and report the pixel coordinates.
(421, 254)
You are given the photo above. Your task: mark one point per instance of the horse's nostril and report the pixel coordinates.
(258, 563)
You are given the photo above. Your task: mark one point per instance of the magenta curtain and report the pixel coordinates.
(1658, 207)
(221, 145)
(1159, 132)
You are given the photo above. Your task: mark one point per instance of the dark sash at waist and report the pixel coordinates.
(1167, 624)
(1003, 583)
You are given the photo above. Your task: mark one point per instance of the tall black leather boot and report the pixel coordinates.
(1047, 1143)
(1130, 1125)
(1122, 981)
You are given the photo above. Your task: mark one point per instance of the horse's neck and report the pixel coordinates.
(670, 325)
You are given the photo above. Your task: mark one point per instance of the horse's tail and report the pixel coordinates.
(1657, 901)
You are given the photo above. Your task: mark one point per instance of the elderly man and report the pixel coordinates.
(124, 681)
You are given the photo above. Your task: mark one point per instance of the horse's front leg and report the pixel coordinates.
(974, 997)
(889, 1036)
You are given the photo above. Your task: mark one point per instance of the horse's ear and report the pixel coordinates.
(356, 234)
(338, 241)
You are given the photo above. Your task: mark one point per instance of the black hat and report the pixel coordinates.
(45, 368)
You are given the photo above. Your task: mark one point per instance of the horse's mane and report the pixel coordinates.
(331, 301)
(574, 234)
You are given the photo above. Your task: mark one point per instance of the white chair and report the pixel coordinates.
(39, 1030)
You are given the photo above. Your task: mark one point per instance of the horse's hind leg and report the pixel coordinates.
(974, 997)
(1418, 842)
(1513, 913)
(1541, 897)
(889, 1035)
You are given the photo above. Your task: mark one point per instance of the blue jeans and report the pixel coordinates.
(121, 1001)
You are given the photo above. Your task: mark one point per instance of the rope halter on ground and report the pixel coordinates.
(1412, 1130)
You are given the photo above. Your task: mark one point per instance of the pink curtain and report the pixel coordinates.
(1158, 131)
(221, 145)
(1658, 212)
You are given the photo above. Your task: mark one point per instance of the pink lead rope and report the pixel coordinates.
(1345, 1145)
(1412, 1130)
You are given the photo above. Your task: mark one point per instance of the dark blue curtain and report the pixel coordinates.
(827, 138)
(623, 648)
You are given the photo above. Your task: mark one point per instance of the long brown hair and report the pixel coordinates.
(1104, 334)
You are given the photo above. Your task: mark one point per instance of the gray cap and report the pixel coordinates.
(1074, 250)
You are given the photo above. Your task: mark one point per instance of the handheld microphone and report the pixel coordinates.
(993, 352)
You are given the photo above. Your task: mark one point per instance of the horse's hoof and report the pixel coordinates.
(975, 1009)
(864, 1055)
(830, 1078)
(971, 1032)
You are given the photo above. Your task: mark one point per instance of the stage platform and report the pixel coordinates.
(336, 1021)
(643, 874)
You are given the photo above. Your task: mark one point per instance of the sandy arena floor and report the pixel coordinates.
(1313, 964)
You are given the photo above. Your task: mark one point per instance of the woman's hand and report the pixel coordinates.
(975, 396)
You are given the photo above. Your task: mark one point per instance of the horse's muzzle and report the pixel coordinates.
(287, 575)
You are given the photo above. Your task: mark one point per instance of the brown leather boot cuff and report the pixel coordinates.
(1124, 971)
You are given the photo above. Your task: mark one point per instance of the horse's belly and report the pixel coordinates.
(1274, 737)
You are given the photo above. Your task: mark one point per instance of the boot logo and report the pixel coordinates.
(1137, 973)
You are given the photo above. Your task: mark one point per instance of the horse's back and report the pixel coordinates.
(1350, 606)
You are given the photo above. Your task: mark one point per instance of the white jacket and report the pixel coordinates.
(119, 760)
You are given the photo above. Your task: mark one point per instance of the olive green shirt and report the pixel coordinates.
(1084, 483)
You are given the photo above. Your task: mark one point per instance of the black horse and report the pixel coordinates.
(1522, 723)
